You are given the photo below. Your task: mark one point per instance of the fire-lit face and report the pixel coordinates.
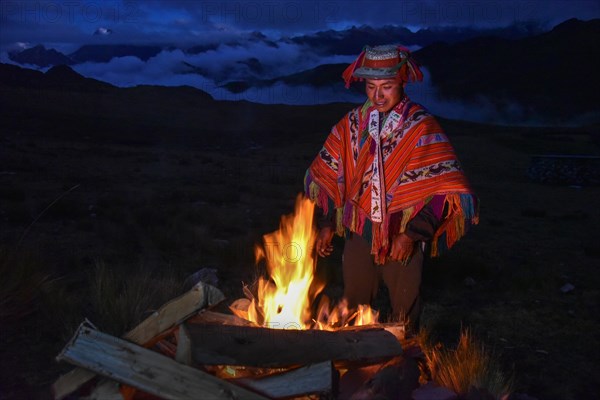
(384, 93)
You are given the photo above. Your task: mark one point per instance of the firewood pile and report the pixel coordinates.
(187, 351)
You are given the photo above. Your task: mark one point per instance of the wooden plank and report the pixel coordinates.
(169, 315)
(397, 329)
(145, 369)
(271, 348)
(318, 378)
(175, 312)
(106, 389)
(184, 347)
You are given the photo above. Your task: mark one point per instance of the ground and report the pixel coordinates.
(87, 221)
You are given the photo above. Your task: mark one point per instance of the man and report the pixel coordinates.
(388, 180)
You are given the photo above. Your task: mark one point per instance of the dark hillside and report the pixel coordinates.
(61, 78)
(107, 192)
(554, 73)
(71, 106)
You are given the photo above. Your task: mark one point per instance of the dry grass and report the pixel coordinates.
(121, 300)
(471, 366)
(20, 283)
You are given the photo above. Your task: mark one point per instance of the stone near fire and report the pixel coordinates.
(395, 379)
(432, 392)
(479, 394)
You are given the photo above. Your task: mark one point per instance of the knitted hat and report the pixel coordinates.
(383, 62)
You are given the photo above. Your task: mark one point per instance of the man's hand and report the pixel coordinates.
(402, 248)
(323, 244)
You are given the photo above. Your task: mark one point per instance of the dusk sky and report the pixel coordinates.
(175, 25)
(67, 24)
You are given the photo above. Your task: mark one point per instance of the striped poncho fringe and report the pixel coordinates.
(419, 163)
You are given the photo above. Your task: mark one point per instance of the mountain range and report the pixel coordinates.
(350, 41)
(42, 57)
(548, 75)
(526, 75)
(344, 42)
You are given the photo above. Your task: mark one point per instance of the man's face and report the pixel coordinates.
(384, 93)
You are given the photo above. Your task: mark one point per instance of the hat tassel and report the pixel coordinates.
(348, 72)
(415, 72)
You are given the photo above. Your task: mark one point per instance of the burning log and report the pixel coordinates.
(211, 317)
(272, 348)
(146, 370)
(396, 329)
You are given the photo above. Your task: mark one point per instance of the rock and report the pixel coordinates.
(591, 250)
(479, 394)
(432, 392)
(397, 380)
(206, 275)
(221, 243)
(469, 282)
(567, 288)
(521, 396)
(353, 379)
(533, 213)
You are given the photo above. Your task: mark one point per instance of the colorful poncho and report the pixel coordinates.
(387, 174)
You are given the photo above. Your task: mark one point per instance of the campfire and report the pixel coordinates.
(277, 344)
(284, 299)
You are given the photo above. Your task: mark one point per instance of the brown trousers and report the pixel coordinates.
(362, 276)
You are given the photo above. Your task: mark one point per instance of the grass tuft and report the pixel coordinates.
(468, 368)
(20, 283)
(120, 299)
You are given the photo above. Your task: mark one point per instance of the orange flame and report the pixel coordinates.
(366, 315)
(284, 300)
